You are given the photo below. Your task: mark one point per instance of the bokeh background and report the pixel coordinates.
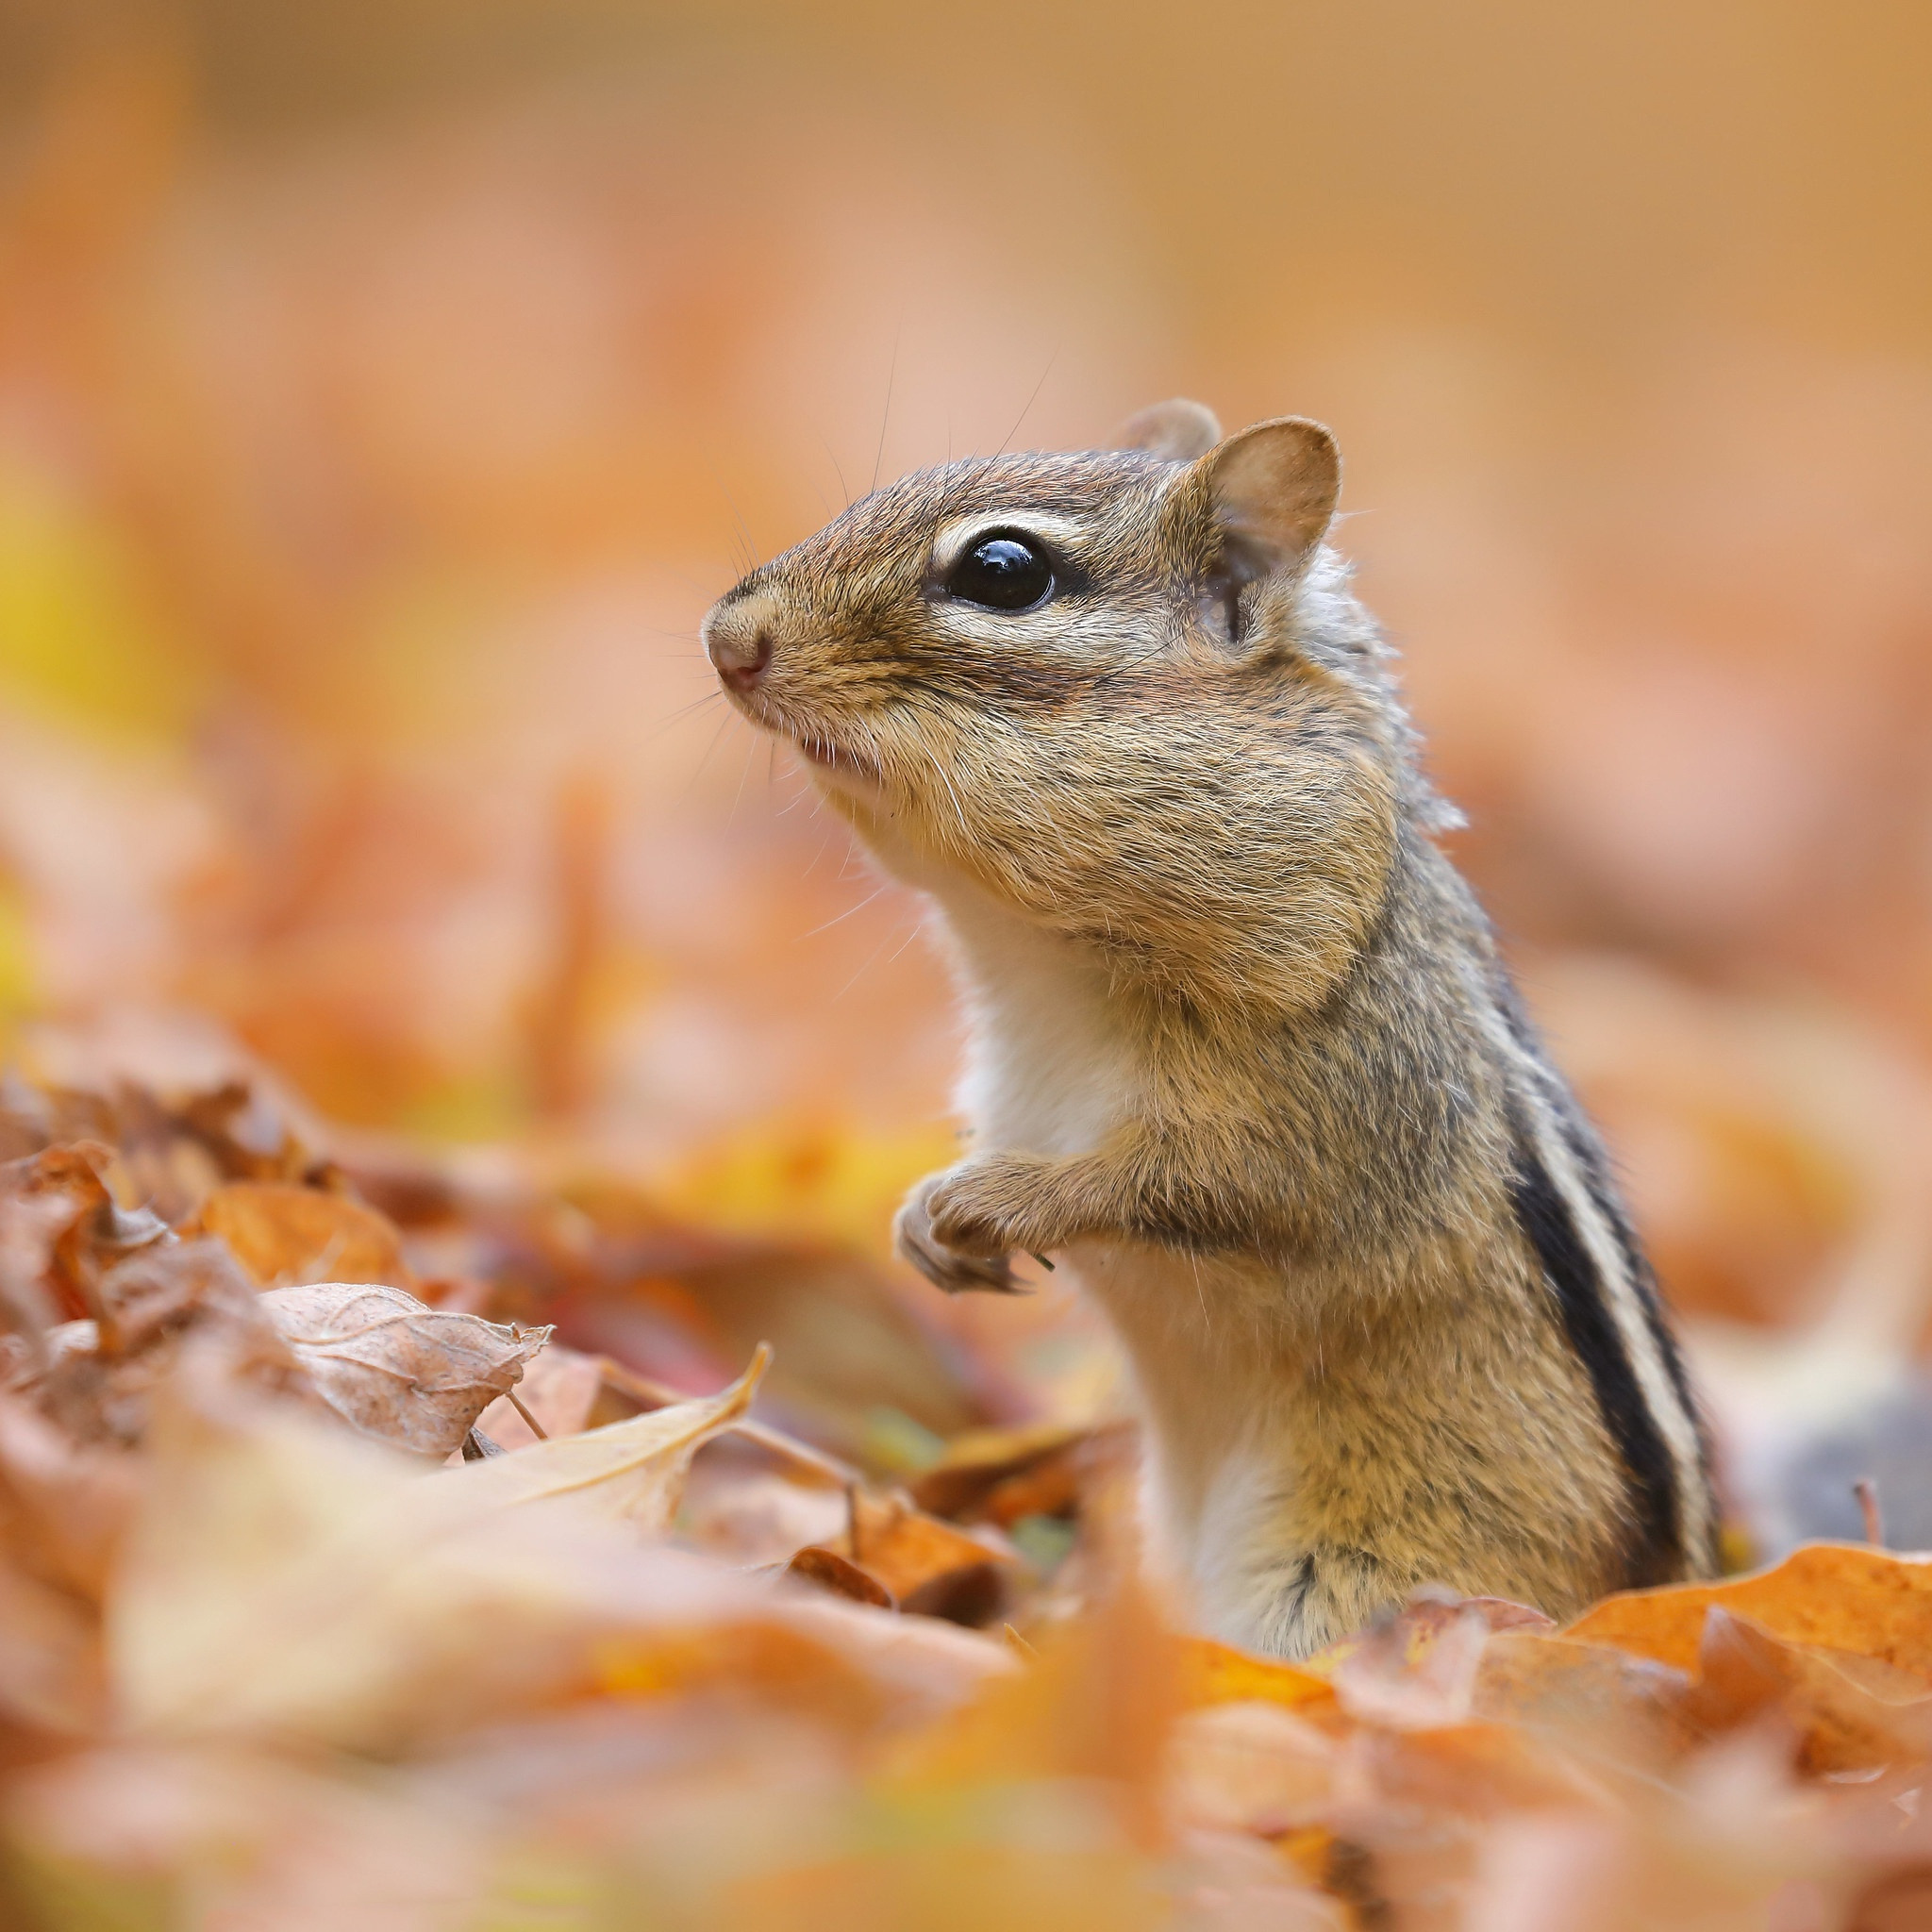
(385, 390)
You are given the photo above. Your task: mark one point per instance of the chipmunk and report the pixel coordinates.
(1243, 1052)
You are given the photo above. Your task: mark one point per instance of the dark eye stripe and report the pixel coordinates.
(1004, 570)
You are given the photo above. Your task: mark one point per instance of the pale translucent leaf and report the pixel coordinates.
(632, 1470)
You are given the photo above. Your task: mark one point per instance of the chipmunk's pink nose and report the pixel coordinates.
(739, 647)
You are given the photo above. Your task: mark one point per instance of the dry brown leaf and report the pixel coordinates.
(931, 1568)
(99, 1381)
(1836, 1596)
(975, 1463)
(284, 1234)
(79, 1226)
(633, 1471)
(840, 1575)
(410, 1375)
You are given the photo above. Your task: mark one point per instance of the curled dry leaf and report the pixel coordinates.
(79, 1227)
(928, 1566)
(283, 1233)
(840, 1575)
(397, 1368)
(99, 1378)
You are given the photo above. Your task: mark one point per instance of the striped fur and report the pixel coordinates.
(1241, 1047)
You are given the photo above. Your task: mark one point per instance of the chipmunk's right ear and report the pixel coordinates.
(1179, 430)
(1272, 491)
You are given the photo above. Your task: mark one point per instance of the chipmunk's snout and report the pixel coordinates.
(738, 644)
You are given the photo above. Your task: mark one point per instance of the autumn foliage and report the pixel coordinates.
(376, 1603)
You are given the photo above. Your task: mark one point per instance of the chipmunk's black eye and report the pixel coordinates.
(1004, 572)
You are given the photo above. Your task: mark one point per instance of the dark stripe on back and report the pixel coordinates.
(1650, 1295)
(1589, 1158)
(1653, 1553)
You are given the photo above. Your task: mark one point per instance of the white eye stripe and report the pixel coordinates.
(954, 539)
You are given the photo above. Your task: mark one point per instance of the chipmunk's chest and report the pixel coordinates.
(1054, 1062)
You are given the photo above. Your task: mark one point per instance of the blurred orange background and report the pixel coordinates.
(385, 390)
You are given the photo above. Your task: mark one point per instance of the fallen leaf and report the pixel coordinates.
(64, 1505)
(99, 1382)
(1850, 1712)
(1599, 1698)
(410, 1374)
(977, 1461)
(285, 1234)
(1098, 1703)
(287, 1580)
(1419, 1668)
(930, 1567)
(840, 1574)
(1837, 1596)
(631, 1469)
(1253, 1766)
(560, 1389)
(50, 1662)
(82, 1228)
(1218, 1674)
(1057, 1482)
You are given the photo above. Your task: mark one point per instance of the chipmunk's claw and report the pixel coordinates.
(946, 1268)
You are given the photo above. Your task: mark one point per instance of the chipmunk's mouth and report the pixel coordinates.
(856, 771)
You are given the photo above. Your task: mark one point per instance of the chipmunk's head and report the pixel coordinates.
(1125, 693)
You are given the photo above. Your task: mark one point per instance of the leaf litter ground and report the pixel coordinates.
(350, 1578)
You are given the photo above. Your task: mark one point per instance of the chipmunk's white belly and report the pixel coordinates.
(1216, 1396)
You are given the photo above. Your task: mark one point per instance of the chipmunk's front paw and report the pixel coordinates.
(952, 1245)
(991, 1206)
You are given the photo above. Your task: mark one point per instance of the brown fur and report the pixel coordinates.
(1242, 1047)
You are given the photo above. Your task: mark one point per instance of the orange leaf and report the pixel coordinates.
(1218, 1674)
(1834, 1596)
(282, 1234)
(1852, 1713)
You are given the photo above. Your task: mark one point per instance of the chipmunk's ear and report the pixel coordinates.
(1179, 430)
(1273, 491)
